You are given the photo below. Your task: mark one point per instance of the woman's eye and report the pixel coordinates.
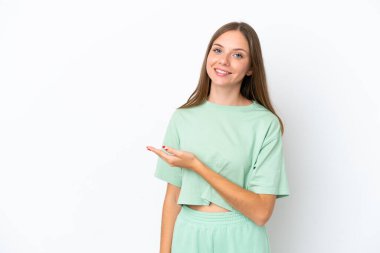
(217, 50)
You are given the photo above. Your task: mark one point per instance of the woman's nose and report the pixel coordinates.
(223, 60)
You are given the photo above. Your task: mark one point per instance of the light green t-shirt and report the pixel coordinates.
(241, 143)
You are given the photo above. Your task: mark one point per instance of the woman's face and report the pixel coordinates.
(229, 52)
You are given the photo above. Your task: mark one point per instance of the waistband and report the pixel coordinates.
(211, 217)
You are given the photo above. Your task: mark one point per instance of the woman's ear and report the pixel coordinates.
(249, 73)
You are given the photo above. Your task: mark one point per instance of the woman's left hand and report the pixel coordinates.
(176, 158)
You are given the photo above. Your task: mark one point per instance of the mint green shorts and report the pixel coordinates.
(217, 232)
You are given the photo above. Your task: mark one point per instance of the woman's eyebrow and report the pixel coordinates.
(216, 44)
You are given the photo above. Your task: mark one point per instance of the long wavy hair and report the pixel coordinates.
(253, 87)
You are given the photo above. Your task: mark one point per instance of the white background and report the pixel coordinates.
(87, 85)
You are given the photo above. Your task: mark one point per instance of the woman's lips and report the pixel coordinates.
(220, 72)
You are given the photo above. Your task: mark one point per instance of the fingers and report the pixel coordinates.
(159, 152)
(170, 150)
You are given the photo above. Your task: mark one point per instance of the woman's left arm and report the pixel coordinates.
(257, 207)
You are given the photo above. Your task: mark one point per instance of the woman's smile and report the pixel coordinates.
(220, 72)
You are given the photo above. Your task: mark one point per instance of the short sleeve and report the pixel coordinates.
(268, 175)
(164, 171)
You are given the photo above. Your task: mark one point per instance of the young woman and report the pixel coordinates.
(222, 154)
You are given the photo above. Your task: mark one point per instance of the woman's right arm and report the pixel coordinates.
(170, 211)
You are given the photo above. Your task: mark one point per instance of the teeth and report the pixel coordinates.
(221, 71)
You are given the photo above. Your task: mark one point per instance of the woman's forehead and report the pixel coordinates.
(234, 40)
